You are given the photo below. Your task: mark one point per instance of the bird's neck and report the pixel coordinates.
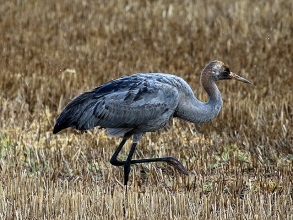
(209, 85)
(213, 92)
(196, 111)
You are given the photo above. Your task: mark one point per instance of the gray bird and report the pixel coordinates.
(144, 102)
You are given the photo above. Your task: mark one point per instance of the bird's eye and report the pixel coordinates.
(227, 70)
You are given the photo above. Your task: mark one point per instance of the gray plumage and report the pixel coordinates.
(144, 102)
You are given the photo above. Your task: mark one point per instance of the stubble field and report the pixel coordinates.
(240, 163)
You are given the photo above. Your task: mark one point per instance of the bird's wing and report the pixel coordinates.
(127, 103)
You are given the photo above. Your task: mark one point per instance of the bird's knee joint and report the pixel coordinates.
(116, 162)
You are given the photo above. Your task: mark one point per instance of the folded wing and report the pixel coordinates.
(133, 103)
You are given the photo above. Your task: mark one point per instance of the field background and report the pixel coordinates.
(240, 163)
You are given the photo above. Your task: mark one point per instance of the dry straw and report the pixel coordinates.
(240, 163)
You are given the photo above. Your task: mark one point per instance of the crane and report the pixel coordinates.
(132, 105)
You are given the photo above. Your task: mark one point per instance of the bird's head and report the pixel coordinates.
(217, 70)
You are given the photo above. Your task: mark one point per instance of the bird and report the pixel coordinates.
(132, 105)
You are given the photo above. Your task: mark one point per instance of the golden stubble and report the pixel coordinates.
(240, 163)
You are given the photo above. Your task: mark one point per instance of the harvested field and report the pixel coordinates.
(240, 163)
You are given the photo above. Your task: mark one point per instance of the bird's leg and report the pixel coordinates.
(170, 160)
(127, 163)
(114, 160)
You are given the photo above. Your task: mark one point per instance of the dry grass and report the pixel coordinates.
(240, 163)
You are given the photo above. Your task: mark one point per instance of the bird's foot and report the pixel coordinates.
(177, 164)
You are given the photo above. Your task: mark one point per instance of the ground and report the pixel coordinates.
(240, 163)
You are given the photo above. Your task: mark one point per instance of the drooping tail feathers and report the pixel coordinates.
(78, 113)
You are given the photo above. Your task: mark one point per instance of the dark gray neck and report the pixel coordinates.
(193, 110)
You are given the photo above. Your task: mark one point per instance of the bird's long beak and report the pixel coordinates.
(235, 76)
